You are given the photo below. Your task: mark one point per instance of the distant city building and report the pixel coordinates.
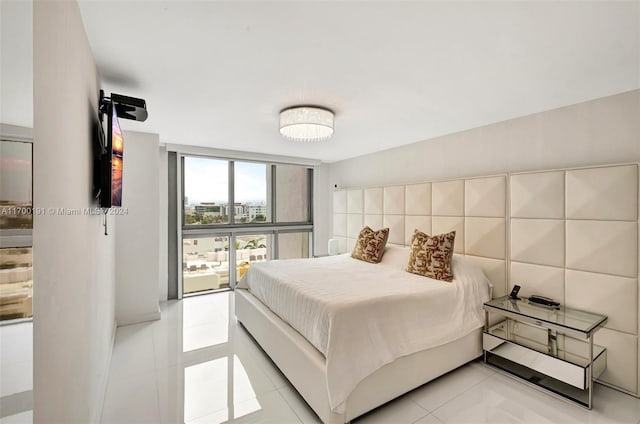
(194, 247)
(256, 210)
(239, 211)
(243, 212)
(210, 209)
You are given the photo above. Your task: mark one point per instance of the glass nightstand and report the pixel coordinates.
(549, 348)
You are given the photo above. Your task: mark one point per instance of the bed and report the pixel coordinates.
(351, 335)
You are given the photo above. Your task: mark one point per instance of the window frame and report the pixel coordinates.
(232, 228)
(271, 192)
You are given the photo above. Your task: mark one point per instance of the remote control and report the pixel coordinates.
(541, 300)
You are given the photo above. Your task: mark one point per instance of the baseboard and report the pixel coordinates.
(138, 318)
(102, 392)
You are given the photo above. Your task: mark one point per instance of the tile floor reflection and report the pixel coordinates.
(16, 373)
(197, 365)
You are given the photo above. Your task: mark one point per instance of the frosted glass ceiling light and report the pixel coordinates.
(306, 123)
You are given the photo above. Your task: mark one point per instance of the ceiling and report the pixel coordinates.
(217, 73)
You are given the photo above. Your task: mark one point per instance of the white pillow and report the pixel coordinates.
(396, 256)
(470, 274)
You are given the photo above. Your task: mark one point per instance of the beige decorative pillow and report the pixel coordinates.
(370, 245)
(431, 255)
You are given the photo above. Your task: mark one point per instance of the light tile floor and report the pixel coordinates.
(197, 365)
(16, 372)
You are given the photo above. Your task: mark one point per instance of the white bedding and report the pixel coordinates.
(362, 316)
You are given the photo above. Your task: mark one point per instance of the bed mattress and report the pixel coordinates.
(361, 316)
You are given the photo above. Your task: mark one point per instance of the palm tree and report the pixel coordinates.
(253, 244)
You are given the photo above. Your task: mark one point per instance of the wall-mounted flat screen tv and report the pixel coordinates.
(116, 143)
(112, 163)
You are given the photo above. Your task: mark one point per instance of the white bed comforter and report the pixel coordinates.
(362, 316)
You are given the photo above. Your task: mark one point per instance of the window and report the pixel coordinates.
(206, 191)
(250, 249)
(250, 188)
(258, 211)
(16, 223)
(205, 265)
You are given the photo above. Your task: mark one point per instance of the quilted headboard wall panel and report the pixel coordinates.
(475, 208)
(574, 237)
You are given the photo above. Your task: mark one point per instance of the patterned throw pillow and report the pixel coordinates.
(370, 245)
(431, 255)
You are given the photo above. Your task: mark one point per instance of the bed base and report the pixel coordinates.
(304, 365)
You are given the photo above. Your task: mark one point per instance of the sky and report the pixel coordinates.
(206, 180)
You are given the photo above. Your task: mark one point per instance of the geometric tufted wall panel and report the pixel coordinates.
(355, 201)
(539, 279)
(373, 206)
(495, 271)
(395, 223)
(447, 208)
(418, 199)
(373, 201)
(340, 219)
(373, 221)
(622, 359)
(340, 224)
(393, 200)
(485, 227)
(444, 224)
(537, 195)
(485, 197)
(354, 225)
(411, 223)
(610, 295)
(574, 237)
(447, 198)
(340, 201)
(342, 244)
(475, 208)
(538, 241)
(609, 193)
(608, 247)
(393, 209)
(568, 234)
(485, 237)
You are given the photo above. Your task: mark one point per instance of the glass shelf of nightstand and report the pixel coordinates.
(509, 331)
(567, 320)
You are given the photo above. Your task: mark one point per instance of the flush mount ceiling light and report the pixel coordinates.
(306, 123)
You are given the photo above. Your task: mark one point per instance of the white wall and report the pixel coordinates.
(601, 131)
(137, 235)
(74, 263)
